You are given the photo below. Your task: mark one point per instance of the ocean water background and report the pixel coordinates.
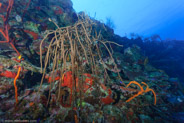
(143, 17)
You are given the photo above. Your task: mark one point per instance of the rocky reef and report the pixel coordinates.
(110, 80)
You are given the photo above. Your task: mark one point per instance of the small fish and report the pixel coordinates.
(146, 60)
(31, 103)
(68, 58)
(19, 57)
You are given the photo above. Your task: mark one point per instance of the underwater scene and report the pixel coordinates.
(62, 66)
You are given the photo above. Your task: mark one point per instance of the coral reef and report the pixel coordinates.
(60, 66)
